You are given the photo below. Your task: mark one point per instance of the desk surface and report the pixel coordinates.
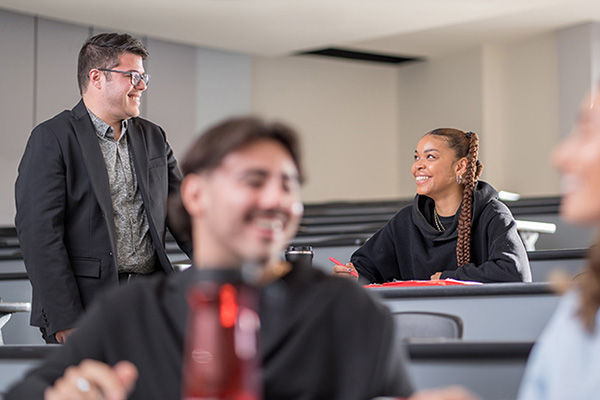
(14, 307)
(491, 370)
(468, 350)
(490, 312)
(18, 352)
(488, 289)
(417, 349)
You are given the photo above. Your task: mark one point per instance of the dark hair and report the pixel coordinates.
(209, 150)
(464, 144)
(103, 51)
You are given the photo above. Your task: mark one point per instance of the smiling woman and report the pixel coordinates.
(456, 228)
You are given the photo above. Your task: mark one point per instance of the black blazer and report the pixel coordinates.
(64, 214)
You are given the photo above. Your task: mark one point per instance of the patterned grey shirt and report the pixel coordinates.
(135, 250)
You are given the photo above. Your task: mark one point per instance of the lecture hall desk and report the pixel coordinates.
(489, 312)
(501, 321)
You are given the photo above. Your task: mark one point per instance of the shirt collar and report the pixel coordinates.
(104, 130)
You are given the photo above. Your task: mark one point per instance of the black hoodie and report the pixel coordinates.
(409, 247)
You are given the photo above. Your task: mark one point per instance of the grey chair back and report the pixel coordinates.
(427, 325)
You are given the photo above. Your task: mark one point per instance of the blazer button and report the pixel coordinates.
(110, 253)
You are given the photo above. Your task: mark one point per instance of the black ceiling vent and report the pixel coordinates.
(358, 55)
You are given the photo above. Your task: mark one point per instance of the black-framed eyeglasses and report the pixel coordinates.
(136, 77)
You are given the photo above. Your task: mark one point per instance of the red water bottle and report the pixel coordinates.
(222, 358)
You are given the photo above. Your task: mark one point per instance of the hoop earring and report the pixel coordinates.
(459, 179)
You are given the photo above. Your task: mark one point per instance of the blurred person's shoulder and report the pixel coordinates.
(341, 292)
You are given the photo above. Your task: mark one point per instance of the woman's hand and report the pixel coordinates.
(93, 379)
(346, 271)
(436, 276)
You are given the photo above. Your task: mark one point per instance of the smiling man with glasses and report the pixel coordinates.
(92, 188)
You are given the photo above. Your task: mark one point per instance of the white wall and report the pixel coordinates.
(530, 116)
(507, 93)
(360, 121)
(224, 86)
(494, 151)
(444, 92)
(170, 100)
(346, 112)
(39, 66)
(578, 68)
(16, 102)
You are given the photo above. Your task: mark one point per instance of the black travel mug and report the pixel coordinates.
(300, 255)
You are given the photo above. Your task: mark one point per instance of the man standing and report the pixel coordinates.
(92, 189)
(321, 337)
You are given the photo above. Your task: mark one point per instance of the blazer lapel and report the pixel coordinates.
(95, 166)
(137, 147)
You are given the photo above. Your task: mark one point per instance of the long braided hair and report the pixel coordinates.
(464, 144)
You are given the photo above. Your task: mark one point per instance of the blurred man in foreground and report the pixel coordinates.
(321, 337)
